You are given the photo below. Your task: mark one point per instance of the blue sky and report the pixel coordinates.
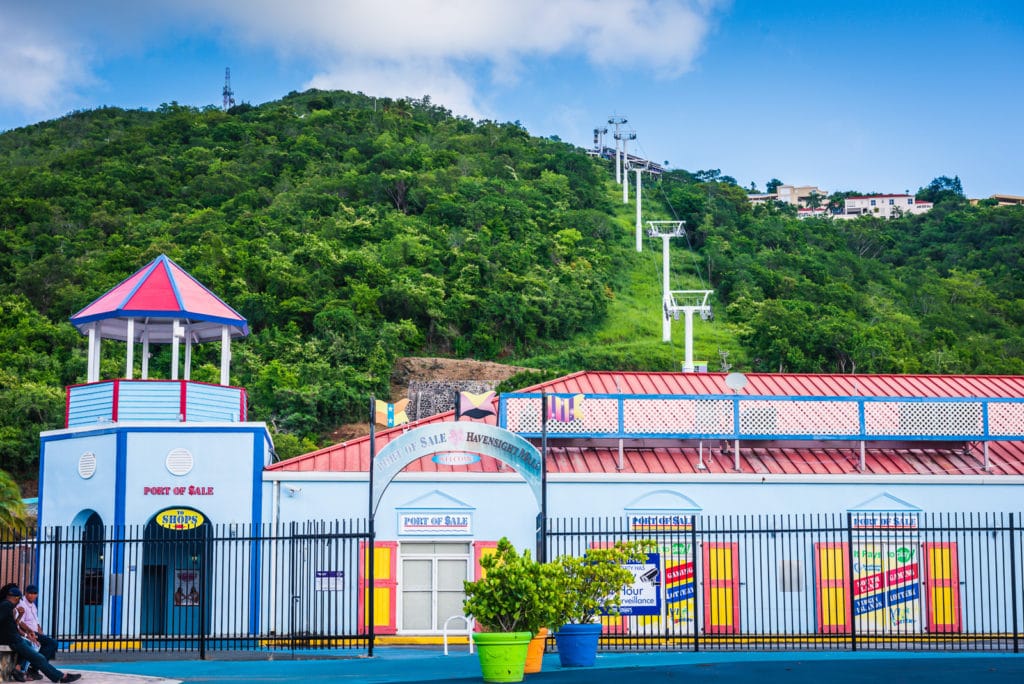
(868, 96)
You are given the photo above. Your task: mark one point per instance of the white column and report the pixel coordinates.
(188, 352)
(129, 362)
(639, 241)
(666, 298)
(145, 353)
(618, 162)
(175, 328)
(688, 363)
(225, 356)
(90, 365)
(625, 186)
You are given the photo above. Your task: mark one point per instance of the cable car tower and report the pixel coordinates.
(625, 137)
(674, 302)
(616, 120)
(640, 168)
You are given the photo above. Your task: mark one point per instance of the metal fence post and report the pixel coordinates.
(1013, 585)
(696, 606)
(54, 596)
(850, 581)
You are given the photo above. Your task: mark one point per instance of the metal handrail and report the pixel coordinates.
(469, 631)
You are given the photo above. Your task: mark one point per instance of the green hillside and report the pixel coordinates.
(350, 230)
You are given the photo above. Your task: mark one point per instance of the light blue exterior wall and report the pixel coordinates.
(63, 494)
(130, 485)
(227, 459)
(504, 505)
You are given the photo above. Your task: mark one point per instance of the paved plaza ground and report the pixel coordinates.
(406, 664)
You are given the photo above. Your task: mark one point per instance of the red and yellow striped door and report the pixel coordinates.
(721, 587)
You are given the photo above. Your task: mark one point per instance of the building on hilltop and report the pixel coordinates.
(881, 206)
(800, 196)
(884, 206)
(1004, 200)
(808, 212)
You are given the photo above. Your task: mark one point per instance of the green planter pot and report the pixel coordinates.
(502, 655)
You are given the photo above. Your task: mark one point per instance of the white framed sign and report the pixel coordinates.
(435, 523)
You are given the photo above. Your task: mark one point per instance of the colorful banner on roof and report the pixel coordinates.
(391, 414)
(565, 409)
(474, 406)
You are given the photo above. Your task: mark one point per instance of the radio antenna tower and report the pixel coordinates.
(229, 95)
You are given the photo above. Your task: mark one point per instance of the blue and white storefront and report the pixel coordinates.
(666, 454)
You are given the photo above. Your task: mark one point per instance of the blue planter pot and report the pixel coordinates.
(577, 644)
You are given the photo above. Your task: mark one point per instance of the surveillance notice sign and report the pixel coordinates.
(643, 596)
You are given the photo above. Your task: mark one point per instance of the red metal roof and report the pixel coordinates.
(161, 290)
(1006, 458)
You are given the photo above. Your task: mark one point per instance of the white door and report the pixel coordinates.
(430, 584)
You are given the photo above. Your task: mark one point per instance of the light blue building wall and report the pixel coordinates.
(113, 480)
(503, 505)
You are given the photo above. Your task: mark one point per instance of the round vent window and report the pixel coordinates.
(87, 465)
(179, 461)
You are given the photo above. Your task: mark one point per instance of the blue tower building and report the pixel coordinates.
(163, 458)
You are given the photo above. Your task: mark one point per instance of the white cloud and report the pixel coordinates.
(404, 48)
(665, 34)
(38, 65)
(447, 48)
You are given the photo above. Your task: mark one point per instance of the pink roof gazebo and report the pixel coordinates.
(162, 304)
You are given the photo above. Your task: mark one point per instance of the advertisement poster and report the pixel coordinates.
(186, 591)
(680, 588)
(887, 588)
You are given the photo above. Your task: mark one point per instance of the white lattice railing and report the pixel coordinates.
(768, 417)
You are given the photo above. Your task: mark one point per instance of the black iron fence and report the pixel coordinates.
(873, 580)
(214, 587)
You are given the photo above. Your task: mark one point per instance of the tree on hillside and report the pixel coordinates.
(837, 200)
(942, 189)
(14, 519)
(772, 185)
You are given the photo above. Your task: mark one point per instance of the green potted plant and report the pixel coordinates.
(590, 586)
(508, 605)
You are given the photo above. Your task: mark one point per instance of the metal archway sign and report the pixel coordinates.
(457, 437)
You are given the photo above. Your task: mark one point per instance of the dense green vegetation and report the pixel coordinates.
(350, 230)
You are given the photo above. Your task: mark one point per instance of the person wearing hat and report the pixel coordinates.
(32, 630)
(10, 634)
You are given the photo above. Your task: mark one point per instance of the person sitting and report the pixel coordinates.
(11, 635)
(32, 630)
(18, 673)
